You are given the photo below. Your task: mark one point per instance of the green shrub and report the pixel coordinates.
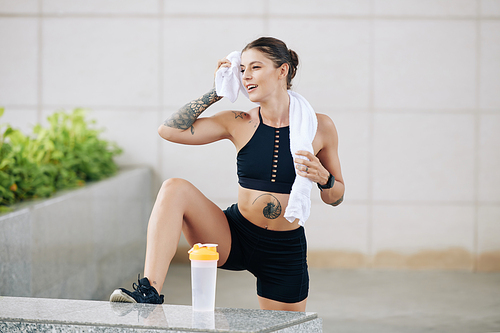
(65, 155)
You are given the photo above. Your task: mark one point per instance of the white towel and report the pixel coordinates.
(228, 79)
(303, 125)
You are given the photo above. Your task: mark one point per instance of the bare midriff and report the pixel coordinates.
(265, 209)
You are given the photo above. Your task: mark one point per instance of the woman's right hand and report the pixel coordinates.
(222, 63)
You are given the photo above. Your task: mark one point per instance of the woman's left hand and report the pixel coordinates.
(311, 168)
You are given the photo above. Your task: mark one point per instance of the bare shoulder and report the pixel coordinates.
(239, 124)
(233, 115)
(325, 123)
(236, 118)
(327, 132)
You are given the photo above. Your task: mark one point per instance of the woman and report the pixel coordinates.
(251, 235)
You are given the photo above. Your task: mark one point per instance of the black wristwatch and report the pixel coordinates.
(329, 183)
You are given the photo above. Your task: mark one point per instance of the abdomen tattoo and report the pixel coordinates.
(272, 210)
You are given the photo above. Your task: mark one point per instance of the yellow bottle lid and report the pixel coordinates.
(204, 252)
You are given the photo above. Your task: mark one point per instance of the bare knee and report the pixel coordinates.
(175, 186)
(174, 183)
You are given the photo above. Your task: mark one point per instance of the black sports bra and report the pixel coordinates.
(265, 163)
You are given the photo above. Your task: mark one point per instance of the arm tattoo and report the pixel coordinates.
(187, 115)
(273, 207)
(338, 202)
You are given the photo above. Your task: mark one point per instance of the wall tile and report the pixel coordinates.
(341, 228)
(490, 7)
(219, 7)
(412, 228)
(333, 59)
(354, 141)
(488, 229)
(19, 6)
(490, 66)
(424, 157)
(23, 120)
(101, 7)
(489, 159)
(427, 8)
(425, 64)
(18, 61)
(211, 168)
(320, 7)
(488, 247)
(122, 127)
(100, 61)
(190, 57)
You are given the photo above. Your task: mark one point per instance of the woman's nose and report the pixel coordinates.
(246, 75)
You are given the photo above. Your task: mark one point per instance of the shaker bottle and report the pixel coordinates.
(204, 259)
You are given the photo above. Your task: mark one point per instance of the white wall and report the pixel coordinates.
(412, 85)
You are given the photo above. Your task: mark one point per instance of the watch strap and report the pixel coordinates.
(329, 183)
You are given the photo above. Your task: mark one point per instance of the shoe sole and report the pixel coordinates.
(120, 296)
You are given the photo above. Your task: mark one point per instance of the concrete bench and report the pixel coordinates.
(20, 314)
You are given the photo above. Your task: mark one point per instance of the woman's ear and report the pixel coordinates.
(284, 68)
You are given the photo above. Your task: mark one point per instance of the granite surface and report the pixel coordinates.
(56, 315)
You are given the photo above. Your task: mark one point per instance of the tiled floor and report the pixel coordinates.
(352, 301)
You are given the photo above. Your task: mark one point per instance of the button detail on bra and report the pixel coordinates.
(275, 160)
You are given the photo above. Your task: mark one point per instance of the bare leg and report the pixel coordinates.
(268, 304)
(180, 207)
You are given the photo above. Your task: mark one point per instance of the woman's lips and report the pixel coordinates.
(251, 87)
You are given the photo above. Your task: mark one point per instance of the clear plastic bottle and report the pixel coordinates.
(204, 259)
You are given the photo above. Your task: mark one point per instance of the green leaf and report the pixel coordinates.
(5, 209)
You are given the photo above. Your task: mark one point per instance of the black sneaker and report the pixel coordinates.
(143, 293)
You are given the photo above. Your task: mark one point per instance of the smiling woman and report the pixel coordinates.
(254, 233)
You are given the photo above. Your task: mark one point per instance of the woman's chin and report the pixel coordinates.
(253, 98)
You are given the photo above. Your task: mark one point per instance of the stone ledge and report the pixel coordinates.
(52, 315)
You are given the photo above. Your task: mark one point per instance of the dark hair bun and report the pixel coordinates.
(294, 63)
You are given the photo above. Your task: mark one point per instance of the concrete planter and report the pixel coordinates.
(78, 244)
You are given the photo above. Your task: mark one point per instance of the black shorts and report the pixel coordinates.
(276, 258)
